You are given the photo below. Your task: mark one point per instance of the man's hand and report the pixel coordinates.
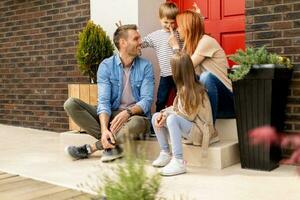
(173, 40)
(160, 120)
(119, 120)
(106, 135)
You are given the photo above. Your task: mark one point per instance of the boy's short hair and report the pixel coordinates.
(122, 32)
(168, 10)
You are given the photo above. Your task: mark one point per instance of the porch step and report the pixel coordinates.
(220, 155)
(227, 129)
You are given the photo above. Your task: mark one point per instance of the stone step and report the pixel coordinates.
(220, 155)
(227, 129)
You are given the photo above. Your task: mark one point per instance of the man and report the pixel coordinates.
(125, 96)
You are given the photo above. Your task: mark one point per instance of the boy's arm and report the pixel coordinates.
(147, 42)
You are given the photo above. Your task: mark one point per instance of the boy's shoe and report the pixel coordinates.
(80, 152)
(175, 167)
(162, 160)
(111, 154)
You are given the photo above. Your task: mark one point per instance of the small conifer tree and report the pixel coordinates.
(93, 47)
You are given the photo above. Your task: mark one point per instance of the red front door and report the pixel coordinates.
(224, 20)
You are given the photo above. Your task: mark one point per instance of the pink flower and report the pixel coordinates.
(264, 134)
(268, 135)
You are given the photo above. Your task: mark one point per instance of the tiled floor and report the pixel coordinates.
(38, 154)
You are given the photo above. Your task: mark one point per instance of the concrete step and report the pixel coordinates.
(220, 155)
(227, 129)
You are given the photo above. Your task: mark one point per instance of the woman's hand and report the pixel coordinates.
(160, 120)
(173, 40)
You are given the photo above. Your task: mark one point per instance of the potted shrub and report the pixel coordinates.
(93, 47)
(260, 87)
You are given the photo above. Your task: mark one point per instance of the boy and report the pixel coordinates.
(159, 41)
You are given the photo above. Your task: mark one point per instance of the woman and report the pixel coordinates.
(209, 60)
(190, 117)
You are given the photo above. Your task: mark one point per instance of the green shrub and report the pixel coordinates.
(93, 47)
(246, 59)
(130, 181)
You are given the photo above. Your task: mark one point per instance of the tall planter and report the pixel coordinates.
(260, 99)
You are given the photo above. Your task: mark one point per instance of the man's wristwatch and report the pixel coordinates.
(129, 112)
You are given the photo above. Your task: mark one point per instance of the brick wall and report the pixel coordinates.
(37, 60)
(276, 24)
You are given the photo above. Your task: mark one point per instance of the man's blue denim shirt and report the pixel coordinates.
(110, 84)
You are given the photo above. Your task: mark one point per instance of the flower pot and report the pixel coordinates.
(260, 99)
(85, 92)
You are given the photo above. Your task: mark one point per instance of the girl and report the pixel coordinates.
(190, 117)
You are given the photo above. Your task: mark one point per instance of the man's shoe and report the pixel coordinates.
(162, 160)
(175, 167)
(111, 154)
(80, 152)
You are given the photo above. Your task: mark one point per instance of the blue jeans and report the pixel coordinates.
(221, 98)
(165, 86)
(175, 127)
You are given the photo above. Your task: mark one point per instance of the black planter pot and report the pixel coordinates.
(260, 99)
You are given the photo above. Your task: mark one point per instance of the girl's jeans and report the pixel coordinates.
(175, 126)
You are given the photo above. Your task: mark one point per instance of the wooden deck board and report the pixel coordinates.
(5, 176)
(17, 187)
(11, 179)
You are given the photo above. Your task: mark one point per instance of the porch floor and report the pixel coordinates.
(38, 155)
(17, 187)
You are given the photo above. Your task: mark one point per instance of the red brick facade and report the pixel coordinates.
(37, 60)
(276, 24)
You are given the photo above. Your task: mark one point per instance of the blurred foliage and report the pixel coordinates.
(130, 181)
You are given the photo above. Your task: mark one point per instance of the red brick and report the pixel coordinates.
(34, 76)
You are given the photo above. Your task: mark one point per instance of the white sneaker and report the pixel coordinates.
(175, 167)
(162, 160)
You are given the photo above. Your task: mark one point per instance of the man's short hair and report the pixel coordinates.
(168, 10)
(122, 32)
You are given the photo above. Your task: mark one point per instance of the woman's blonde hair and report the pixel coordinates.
(189, 89)
(191, 24)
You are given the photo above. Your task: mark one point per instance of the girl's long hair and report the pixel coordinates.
(189, 90)
(192, 27)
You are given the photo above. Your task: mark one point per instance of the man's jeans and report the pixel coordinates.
(165, 86)
(221, 98)
(85, 116)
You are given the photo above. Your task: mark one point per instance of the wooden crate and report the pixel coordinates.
(87, 93)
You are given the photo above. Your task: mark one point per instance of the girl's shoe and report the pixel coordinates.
(162, 160)
(175, 167)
